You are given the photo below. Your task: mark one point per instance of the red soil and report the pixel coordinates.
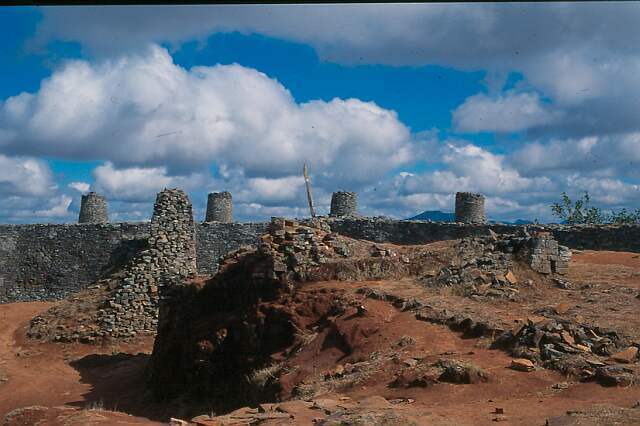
(112, 377)
(83, 376)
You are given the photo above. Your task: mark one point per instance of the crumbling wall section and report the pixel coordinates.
(546, 256)
(171, 257)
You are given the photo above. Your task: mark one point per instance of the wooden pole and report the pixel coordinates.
(307, 182)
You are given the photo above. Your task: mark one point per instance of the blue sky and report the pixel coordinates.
(405, 104)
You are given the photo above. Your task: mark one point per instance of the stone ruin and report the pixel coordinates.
(484, 265)
(344, 204)
(470, 208)
(171, 257)
(546, 256)
(128, 300)
(219, 207)
(93, 209)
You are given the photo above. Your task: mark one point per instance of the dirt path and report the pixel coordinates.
(33, 373)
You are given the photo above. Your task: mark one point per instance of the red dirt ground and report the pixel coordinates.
(111, 377)
(44, 374)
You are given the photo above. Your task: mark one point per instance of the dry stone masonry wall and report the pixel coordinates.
(171, 257)
(470, 208)
(216, 239)
(93, 209)
(44, 262)
(344, 204)
(219, 207)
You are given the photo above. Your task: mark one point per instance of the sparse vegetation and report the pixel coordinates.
(263, 376)
(582, 212)
(95, 406)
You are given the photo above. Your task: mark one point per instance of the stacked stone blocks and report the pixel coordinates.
(547, 256)
(133, 306)
(343, 204)
(470, 208)
(219, 207)
(93, 209)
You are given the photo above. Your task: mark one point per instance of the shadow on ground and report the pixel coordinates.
(118, 383)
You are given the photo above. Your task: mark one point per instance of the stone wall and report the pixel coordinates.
(582, 237)
(45, 262)
(39, 262)
(215, 239)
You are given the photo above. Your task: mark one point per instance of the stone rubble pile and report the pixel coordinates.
(579, 350)
(325, 410)
(294, 249)
(483, 265)
(417, 374)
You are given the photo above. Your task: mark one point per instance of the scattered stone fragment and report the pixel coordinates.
(521, 364)
(614, 376)
(461, 372)
(562, 308)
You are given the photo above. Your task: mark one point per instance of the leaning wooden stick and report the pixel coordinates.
(307, 181)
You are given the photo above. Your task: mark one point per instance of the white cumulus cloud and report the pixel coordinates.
(139, 183)
(509, 113)
(80, 186)
(24, 176)
(143, 110)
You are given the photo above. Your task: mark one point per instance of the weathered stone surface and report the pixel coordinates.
(219, 207)
(44, 262)
(482, 266)
(344, 204)
(171, 257)
(614, 376)
(93, 209)
(522, 364)
(470, 208)
(626, 356)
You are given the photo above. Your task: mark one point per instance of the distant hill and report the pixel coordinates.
(434, 216)
(516, 222)
(438, 216)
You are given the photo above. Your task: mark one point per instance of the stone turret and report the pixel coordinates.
(172, 235)
(470, 208)
(93, 209)
(344, 204)
(219, 207)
